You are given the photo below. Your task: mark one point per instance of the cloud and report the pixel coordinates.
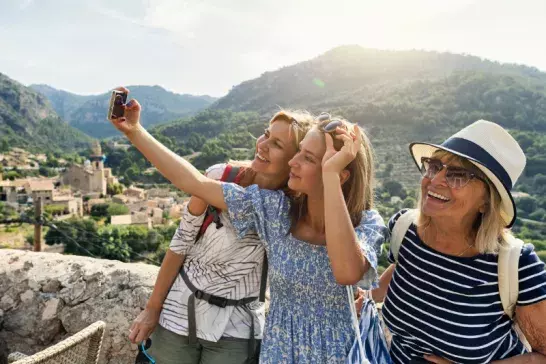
(208, 46)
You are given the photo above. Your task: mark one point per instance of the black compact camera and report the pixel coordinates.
(117, 100)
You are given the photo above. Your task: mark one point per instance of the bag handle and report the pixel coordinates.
(351, 299)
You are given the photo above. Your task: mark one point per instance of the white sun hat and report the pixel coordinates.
(493, 150)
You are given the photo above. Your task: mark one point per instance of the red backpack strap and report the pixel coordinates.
(231, 174)
(226, 173)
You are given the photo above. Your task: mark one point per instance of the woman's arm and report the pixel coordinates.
(173, 167)
(145, 323)
(380, 292)
(532, 321)
(346, 258)
(197, 206)
(530, 358)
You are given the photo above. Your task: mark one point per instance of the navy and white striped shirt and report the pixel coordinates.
(450, 306)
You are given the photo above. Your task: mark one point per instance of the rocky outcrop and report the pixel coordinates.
(45, 297)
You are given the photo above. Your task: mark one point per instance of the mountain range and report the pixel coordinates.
(28, 120)
(397, 96)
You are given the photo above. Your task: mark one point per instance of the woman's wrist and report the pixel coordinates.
(154, 306)
(330, 176)
(137, 129)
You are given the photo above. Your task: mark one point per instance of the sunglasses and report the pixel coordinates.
(332, 125)
(143, 357)
(456, 177)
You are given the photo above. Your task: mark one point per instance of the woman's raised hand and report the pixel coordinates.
(130, 121)
(336, 161)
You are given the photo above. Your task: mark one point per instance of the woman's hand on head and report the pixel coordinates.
(336, 161)
(130, 121)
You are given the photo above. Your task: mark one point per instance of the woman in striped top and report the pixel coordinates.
(443, 303)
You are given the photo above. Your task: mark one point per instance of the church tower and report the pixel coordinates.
(97, 178)
(97, 159)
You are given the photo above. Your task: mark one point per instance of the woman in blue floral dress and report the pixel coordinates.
(319, 239)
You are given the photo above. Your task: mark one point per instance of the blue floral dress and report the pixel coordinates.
(309, 317)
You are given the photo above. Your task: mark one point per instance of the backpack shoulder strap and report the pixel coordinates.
(399, 230)
(508, 269)
(508, 266)
(231, 174)
(263, 279)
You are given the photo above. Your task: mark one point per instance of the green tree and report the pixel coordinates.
(100, 210)
(4, 146)
(133, 173)
(409, 203)
(114, 189)
(539, 184)
(538, 215)
(395, 188)
(115, 209)
(55, 209)
(211, 153)
(114, 244)
(196, 141)
(527, 204)
(12, 175)
(77, 235)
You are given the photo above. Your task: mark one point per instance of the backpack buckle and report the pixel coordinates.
(218, 301)
(198, 294)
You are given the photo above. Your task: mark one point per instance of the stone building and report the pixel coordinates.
(91, 177)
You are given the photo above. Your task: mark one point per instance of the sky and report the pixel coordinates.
(208, 46)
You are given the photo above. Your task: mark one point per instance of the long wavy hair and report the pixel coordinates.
(359, 187)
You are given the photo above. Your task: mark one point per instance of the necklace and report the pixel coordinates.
(427, 244)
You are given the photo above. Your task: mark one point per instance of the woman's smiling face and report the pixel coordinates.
(306, 166)
(274, 149)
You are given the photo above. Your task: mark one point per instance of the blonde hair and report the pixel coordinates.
(358, 189)
(489, 226)
(301, 121)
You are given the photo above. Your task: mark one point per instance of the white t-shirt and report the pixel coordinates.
(221, 265)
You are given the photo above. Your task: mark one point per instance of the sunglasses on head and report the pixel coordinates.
(332, 125)
(456, 177)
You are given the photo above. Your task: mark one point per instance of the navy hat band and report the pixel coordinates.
(477, 153)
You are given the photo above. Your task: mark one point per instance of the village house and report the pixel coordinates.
(14, 192)
(135, 192)
(175, 212)
(160, 192)
(120, 199)
(45, 190)
(138, 219)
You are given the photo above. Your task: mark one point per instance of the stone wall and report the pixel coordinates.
(45, 297)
